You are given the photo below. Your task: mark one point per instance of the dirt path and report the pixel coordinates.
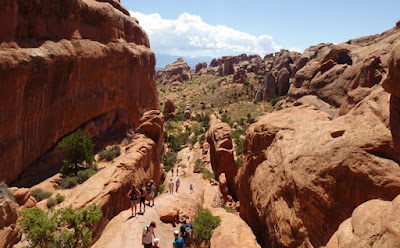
(126, 231)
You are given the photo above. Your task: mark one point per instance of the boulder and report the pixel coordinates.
(303, 174)
(222, 152)
(223, 187)
(372, 224)
(226, 65)
(233, 232)
(9, 233)
(92, 69)
(270, 89)
(24, 198)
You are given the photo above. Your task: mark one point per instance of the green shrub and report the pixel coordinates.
(84, 175)
(176, 142)
(51, 202)
(59, 198)
(169, 159)
(193, 140)
(199, 166)
(68, 182)
(80, 149)
(67, 227)
(6, 192)
(229, 209)
(40, 194)
(239, 146)
(160, 189)
(202, 138)
(204, 224)
(110, 154)
(238, 161)
(208, 175)
(275, 100)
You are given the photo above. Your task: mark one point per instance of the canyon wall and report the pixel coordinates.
(63, 64)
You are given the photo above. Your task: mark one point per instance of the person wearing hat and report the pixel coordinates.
(187, 232)
(148, 232)
(178, 242)
(156, 241)
(150, 192)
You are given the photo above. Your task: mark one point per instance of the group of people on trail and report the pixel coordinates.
(182, 237)
(140, 195)
(171, 185)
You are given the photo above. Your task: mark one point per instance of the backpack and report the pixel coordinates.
(188, 231)
(133, 195)
(148, 188)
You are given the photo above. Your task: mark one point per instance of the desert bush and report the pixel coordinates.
(84, 175)
(176, 142)
(238, 161)
(169, 159)
(160, 189)
(275, 100)
(51, 202)
(80, 149)
(67, 227)
(110, 153)
(204, 225)
(40, 194)
(229, 209)
(59, 198)
(199, 166)
(6, 192)
(208, 175)
(68, 182)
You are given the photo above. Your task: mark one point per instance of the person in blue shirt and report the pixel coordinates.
(178, 242)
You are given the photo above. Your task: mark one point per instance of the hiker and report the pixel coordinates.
(156, 241)
(187, 232)
(191, 188)
(177, 183)
(171, 186)
(133, 196)
(177, 171)
(148, 232)
(172, 171)
(178, 242)
(143, 194)
(150, 192)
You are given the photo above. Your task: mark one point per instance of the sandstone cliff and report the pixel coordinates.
(64, 64)
(176, 72)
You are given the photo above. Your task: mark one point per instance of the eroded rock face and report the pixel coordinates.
(62, 78)
(303, 174)
(177, 72)
(372, 224)
(222, 152)
(8, 218)
(200, 66)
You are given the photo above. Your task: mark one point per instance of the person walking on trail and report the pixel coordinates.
(177, 171)
(133, 196)
(171, 186)
(191, 188)
(177, 184)
(143, 194)
(148, 234)
(150, 192)
(172, 171)
(178, 242)
(156, 241)
(187, 232)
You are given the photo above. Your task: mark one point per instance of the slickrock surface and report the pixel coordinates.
(63, 64)
(372, 224)
(303, 174)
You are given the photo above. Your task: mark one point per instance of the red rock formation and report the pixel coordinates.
(68, 76)
(372, 224)
(200, 66)
(178, 71)
(239, 76)
(226, 66)
(169, 108)
(8, 217)
(392, 85)
(303, 174)
(222, 152)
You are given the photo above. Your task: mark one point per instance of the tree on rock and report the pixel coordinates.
(80, 149)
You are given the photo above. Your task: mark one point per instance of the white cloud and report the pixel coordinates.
(190, 36)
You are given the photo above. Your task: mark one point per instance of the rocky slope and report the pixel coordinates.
(307, 168)
(64, 64)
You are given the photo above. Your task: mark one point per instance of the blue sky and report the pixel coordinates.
(263, 26)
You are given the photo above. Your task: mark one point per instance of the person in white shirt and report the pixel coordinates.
(148, 233)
